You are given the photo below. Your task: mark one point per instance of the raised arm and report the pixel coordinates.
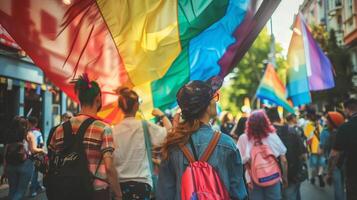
(158, 113)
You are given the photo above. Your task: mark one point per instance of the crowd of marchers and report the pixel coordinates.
(189, 155)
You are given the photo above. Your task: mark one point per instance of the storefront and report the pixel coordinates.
(25, 91)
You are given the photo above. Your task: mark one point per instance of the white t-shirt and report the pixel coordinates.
(130, 156)
(273, 141)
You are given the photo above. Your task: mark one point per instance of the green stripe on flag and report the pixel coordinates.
(194, 16)
(164, 90)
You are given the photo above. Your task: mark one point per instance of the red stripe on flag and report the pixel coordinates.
(63, 39)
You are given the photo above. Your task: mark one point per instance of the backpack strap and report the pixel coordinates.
(148, 146)
(83, 127)
(211, 146)
(317, 130)
(50, 135)
(68, 137)
(187, 153)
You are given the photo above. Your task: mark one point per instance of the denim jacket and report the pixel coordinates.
(225, 159)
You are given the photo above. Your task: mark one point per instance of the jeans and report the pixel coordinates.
(35, 184)
(19, 178)
(292, 192)
(266, 193)
(338, 185)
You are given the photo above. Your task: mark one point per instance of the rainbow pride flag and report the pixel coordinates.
(309, 68)
(272, 89)
(153, 46)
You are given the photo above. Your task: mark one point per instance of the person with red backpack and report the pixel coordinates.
(261, 150)
(199, 163)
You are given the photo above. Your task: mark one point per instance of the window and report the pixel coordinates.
(349, 8)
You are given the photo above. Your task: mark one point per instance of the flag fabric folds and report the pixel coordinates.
(309, 69)
(272, 89)
(153, 46)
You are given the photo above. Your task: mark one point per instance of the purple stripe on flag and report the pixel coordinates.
(246, 33)
(321, 76)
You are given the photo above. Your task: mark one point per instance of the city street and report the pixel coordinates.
(115, 90)
(308, 192)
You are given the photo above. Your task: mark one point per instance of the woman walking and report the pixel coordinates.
(259, 131)
(197, 102)
(18, 167)
(133, 139)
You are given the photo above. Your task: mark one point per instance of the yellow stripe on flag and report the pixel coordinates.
(145, 33)
(145, 94)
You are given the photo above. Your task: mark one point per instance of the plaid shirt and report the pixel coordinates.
(98, 140)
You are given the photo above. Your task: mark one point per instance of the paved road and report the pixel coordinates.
(312, 192)
(308, 192)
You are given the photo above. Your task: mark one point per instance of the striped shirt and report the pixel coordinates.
(98, 140)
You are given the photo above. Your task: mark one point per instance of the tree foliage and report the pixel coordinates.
(245, 78)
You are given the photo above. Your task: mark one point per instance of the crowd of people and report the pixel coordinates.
(262, 156)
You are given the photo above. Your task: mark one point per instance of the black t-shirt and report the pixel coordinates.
(295, 148)
(346, 141)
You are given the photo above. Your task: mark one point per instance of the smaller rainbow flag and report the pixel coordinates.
(272, 89)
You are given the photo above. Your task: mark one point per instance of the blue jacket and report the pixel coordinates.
(225, 159)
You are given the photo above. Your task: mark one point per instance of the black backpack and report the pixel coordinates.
(69, 176)
(15, 153)
(297, 169)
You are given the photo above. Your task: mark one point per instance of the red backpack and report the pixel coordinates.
(264, 168)
(200, 180)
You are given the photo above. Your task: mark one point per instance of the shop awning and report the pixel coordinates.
(6, 39)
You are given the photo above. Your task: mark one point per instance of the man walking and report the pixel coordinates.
(95, 138)
(346, 142)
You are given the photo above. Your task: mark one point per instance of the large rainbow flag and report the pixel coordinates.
(154, 46)
(309, 69)
(271, 88)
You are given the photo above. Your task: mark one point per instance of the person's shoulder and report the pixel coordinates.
(273, 136)
(227, 141)
(97, 123)
(101, 124)
(346, 127)
(243, 138)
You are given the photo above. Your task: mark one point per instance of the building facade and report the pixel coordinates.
(350, 32)
(339, 15)
(25, 91)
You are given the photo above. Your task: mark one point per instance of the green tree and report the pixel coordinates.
(320, 34)
(245, 77)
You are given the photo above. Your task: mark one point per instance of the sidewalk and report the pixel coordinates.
(4, 190)
(314, 192)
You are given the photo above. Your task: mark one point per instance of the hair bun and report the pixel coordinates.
(122, 89)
